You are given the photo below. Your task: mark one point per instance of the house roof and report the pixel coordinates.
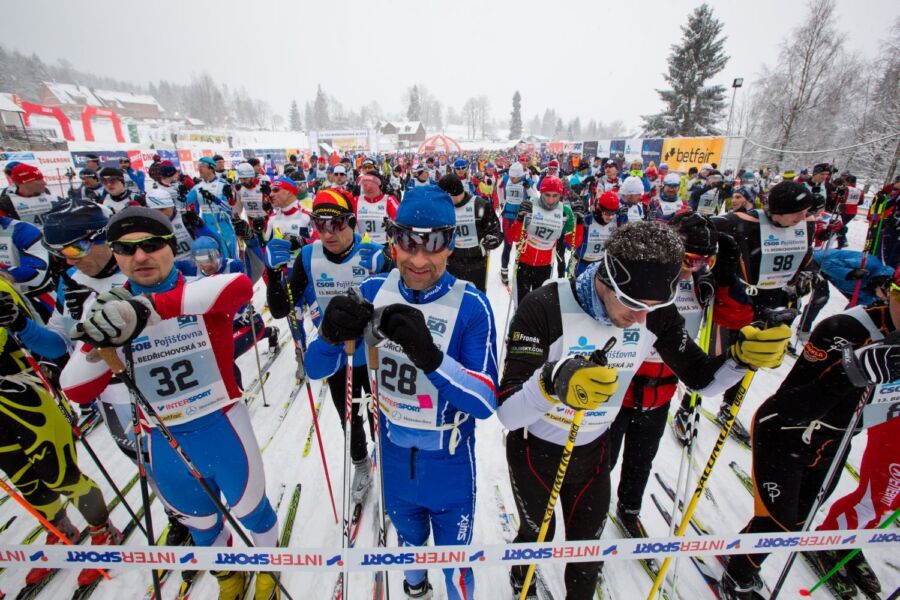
(405, 126)
(120, 99)
(7, 104)
(69, 93)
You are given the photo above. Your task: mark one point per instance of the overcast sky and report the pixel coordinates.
(593, 59)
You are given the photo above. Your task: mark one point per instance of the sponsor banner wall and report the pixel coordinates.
(52, 164)
(651, 151)
(589, 150)
(683, 153)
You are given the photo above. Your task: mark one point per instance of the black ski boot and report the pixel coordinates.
(862, 575)
(731, 589)
(518, 583)
(179, 535)
(504, 276)
(821, 562)
(738, 431)
(272, 337)
(681, 424)
(422, 591)
(631, 521)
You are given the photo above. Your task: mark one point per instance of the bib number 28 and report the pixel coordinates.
(396, 377)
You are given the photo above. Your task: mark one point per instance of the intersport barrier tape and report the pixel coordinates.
(399, 558)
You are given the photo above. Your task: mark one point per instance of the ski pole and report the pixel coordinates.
(292, 320)
(251, 310)
(142, 473)
(513, 281)
(599, 357)
(62, 405)
(807, 591)
(772, 317)
(116, 365)
(34, 513)
(833, 469)
(349, 350)
(375, 415)
(315, 419)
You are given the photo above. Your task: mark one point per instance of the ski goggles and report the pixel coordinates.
(206, 255)
(148, 245)
(331, 224)
(696, 262)
(78, 248)
(626, 300)
(410, 239)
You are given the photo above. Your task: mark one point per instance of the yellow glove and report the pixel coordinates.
(761, 348)
(579, 383)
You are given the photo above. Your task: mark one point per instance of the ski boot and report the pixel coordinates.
(631, 521)
(65, 527)
(518, 583)
(179, 535)
(504, 276)
(265, 587)
(681, 424)
(300, 373)
(231, 584)
(731, 589)
(822, 561)
(101, 535)
(738, 431)
(420, 591)
(272, 337)
(362, 478)
(862, 575)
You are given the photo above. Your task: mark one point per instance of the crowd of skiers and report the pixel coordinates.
(614, 269)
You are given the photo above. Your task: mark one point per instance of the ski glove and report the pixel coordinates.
(525, 209)
(367, 253)
(858, 273)
(704, 286)
(75, 294)
(242, 229)
(877, 363)
(579, 383)
(491, 241)
(11, 316)
(278, 253)
(761, 348)
(345, 319)
(405, 326)
(192, 220)
(116, 322)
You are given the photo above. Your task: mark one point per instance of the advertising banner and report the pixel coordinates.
(651, 151)
(52, 164)
(589, 150)
(683, 153)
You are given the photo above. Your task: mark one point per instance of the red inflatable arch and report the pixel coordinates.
(90, 112)
(31, 108)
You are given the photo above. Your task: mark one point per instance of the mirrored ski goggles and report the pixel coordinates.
(696, 262)
(148, 245)
(626, 300)
(206, 255)
(78, 248)
(331, 224)
(410, 239)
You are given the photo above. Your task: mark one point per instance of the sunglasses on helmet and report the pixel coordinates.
(331, 224)
(78, 248)
(410, 239)
(695, 262)
(147, 245)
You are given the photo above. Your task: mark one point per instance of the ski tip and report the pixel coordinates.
(804, 592)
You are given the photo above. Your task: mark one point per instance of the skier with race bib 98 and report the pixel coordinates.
(436, 374)
(628, 296)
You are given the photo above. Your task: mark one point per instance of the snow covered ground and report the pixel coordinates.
(315, 525)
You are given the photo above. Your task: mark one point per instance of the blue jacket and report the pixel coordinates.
(835, 264)
(466, 380)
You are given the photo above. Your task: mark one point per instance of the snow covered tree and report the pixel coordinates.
(515, 117)
(559, 129)
(534, 125)
(321, 119)
(691, 106)
(548, 123)
(414, 110)
(308, 116)
(294, 117)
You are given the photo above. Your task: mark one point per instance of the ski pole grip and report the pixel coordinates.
(350, 347)
(111, 358)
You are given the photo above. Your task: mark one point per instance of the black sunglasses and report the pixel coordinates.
(331, 224)
(148, 245)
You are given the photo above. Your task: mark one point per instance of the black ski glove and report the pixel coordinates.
(858, 273)
(192, 219)
(345, 319)
(405, 325)
(11, 316)
(704, 286)
(876, 363)
(491, 241)
(525, 209)
(728, 259)
(75, 294)
(259, 224)
(242, 229)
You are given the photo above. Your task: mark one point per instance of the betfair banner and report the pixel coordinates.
(683, 153)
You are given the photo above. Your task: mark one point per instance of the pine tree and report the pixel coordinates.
(294, 117)
(308, 116)
(515, 121)
(320, 109)
(692, 107)
(414, 112)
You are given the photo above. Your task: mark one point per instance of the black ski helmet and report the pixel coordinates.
(697, 233)
(72, 220)
(789, 197)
